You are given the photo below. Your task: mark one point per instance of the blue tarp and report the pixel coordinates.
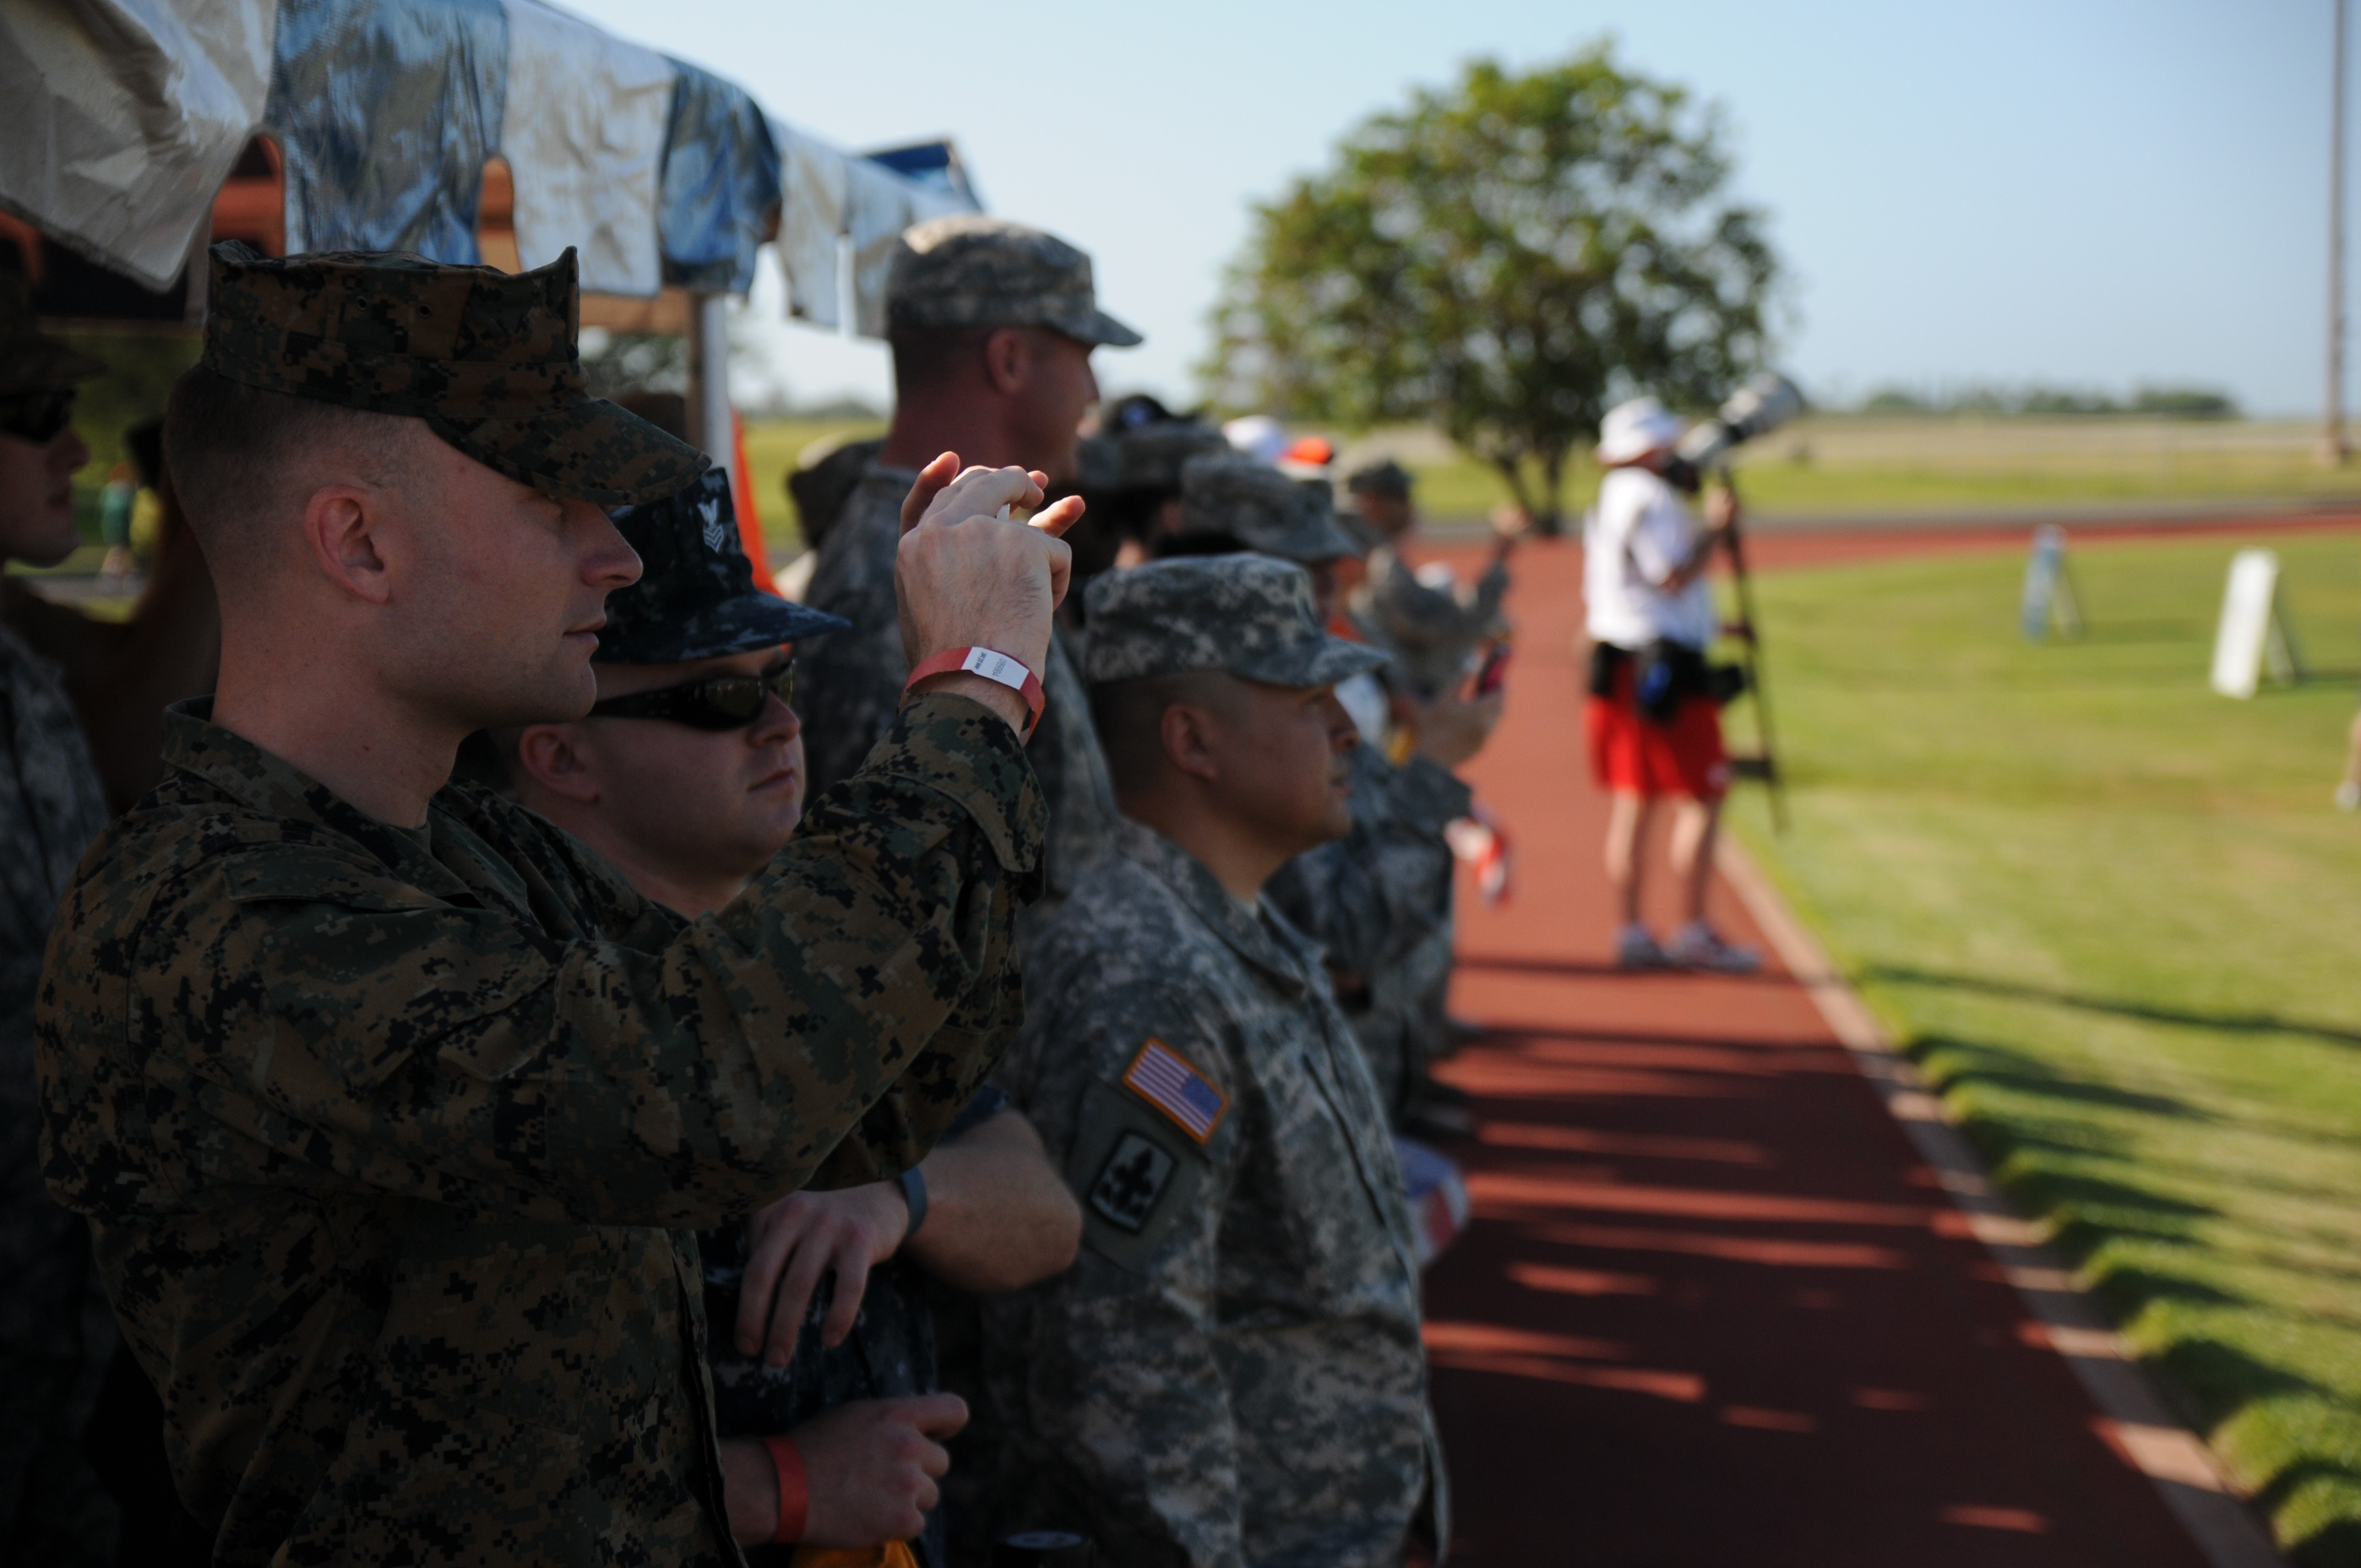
(720, 194)
(386, 111)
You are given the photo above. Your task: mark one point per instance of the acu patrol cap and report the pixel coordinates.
(1262, 509)
(30, 359)
(972, 271)
(696, 597)
(1152, 456)
(486, 358)
(1247, 614)
(1386, 478)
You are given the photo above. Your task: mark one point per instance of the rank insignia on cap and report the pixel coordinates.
(1131, 1181)
(715, 531)
(1161, 1076)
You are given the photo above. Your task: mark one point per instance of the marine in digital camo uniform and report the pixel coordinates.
(1378, 900)
(1231, 1374)
(964, 271)
(391, 1139)
(55, 1336)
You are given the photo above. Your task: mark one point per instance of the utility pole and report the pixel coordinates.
(2334, 448)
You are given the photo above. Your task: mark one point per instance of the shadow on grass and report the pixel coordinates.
(2234, 1023)
(2210, 1379)
(1966, 1062)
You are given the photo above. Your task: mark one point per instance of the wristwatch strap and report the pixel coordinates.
(992, 666)
(914, 1192)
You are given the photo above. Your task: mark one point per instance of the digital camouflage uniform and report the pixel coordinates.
(1377, 900)
(962, 271)
(1432, 631)
(695, 599)
(55, 1333)
(391, 1139)
(1379, 903)
(1232, 1372)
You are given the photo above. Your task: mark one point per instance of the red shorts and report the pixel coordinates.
(1633, 755)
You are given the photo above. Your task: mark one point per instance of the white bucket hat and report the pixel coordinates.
(1632, 429)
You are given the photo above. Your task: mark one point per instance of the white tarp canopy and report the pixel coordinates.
(120, 118)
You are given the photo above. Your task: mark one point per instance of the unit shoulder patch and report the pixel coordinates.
(1166, 1080)
(1132, 1182)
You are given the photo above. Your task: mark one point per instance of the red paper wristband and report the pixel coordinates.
(992, 666)
(795, 1489)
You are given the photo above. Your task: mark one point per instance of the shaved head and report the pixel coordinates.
(244, 461)
(1130, 717)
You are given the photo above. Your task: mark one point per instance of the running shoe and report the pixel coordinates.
(1637, 948)
(1697, 946)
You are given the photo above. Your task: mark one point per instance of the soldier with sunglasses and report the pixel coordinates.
(687, 775)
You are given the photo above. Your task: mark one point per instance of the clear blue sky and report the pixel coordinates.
(2099, 193)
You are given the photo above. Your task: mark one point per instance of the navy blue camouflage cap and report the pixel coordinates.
(696, 597)
(487, 359)
(1250, 615)
(1262, 509)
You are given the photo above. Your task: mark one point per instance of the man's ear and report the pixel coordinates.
(554, 758)
(345, 525)
(1007, 358)
(1191, 743)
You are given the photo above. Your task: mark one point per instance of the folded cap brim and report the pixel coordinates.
(1321, 661)
(590, 451)
(1099, 330)
(739, 625)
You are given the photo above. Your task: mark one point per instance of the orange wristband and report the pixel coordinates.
(992, 666)
(795, 1489)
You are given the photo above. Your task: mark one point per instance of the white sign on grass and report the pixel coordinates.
(2247, 605)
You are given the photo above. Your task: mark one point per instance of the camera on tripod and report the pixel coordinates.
(1766, 401)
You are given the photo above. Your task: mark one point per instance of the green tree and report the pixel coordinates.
(1503, 259)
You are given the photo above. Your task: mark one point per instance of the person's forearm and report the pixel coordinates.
(998, 1215)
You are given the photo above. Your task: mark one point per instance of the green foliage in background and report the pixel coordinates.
(773, 446)
(1502, 260)
(140, 370)
(2113, 916)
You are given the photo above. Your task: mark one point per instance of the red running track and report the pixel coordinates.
(1713, 1311)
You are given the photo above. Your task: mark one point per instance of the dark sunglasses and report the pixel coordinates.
(36, 417)
(717, 702)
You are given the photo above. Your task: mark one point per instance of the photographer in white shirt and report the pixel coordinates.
(1653, 718)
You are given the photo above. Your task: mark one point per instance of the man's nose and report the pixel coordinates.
(777, 723)
(607, 560)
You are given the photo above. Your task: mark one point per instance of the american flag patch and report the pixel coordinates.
(1159, 1076)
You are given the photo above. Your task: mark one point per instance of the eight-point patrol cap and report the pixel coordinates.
(1388, 479)
(1152, 455)
(696, 597)
(486, 359)
(30, 359)
(1249, 615)
(1262, 509)
(971, 271)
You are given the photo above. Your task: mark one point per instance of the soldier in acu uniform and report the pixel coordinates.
(55, 1336)
(1231, 1374)
(391, 1105)
(992, 326)
(1377, 900)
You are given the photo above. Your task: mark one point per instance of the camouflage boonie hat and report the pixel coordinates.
(30, 359)
(971, 271)
(1152, 455)
(696, 597)
(1250, 615)
(1386, 478)
(486, 359)
(1262, 509)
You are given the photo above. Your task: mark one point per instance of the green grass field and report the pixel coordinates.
(2115, 917)
(772, 445)
(1839, 466)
